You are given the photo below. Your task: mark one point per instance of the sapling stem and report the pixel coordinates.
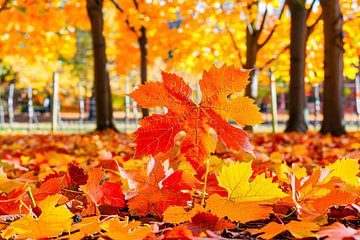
(205, 182)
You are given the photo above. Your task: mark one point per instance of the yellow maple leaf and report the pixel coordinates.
(116, 229)
(237, 211)
(347, 169)
(51, 223)
(178, 214)
(235, 179)
(86, 227)
(297, 229)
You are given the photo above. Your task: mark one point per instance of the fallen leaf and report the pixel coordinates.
(346, 169)
(51, 223)
(338, 231)
(298, 229)
(237, 211)
(235, 179)
(203, 221)
(177, 214)
(87, 227)
(157, 191)
(105, 193)
(116, 229)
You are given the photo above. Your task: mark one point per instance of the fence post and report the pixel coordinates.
(274, 115)
(11, 105)
(316, 104)
(127, 104)
(357, 99)
(55, 102)
(2, 113)
(81, 107)
(30, 107)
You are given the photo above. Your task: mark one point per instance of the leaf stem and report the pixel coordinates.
(205, 182)
(31, 197)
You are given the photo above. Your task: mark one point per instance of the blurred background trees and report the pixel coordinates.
(306, 51)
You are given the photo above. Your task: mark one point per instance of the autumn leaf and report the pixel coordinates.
(7, 185)
(235, 179)
(313, 195)
(252, 199)
(157, 191)
(116, 229)
(177, 214)
(179, 232)
(76, 175)
(336, 197)
(157, 132)
(338, 231)
(237, 211)
(87, 227)
(300, 229)
(10, 203)
(51, 223)
(203, 221)
(107, 193)
(347, 169)
(50, 187)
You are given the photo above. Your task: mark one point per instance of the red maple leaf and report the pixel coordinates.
(157, 132)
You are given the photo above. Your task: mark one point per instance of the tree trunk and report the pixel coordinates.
(104, 111)
(298, 37)
(143, 62)
(252, 49)
(333, 111)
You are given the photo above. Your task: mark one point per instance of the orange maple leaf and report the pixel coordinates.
(156, 191)
(52, 221)
(157, 132)
(107, 193)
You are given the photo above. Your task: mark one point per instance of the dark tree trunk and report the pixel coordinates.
(333, 110)
(252, 49)
(104, 111)
(143, 62)
(298, 37)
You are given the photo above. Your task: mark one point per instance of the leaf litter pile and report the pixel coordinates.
(187, 174)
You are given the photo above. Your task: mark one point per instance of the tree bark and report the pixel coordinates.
(103, 101)
(143, 62)
(252, 49)
(298, 38)
(333, 111)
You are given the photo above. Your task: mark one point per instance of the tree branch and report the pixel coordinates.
(310, 9)
(117, 6)
(311, 28)
(274, 58)
(136, 4)
(3, 6)
(262, 22)
(234, 44)
(274, 28)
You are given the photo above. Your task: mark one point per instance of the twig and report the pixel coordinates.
(235, 44)
(273, 29)
(311, 28)
(3, 6)
(262, 22)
